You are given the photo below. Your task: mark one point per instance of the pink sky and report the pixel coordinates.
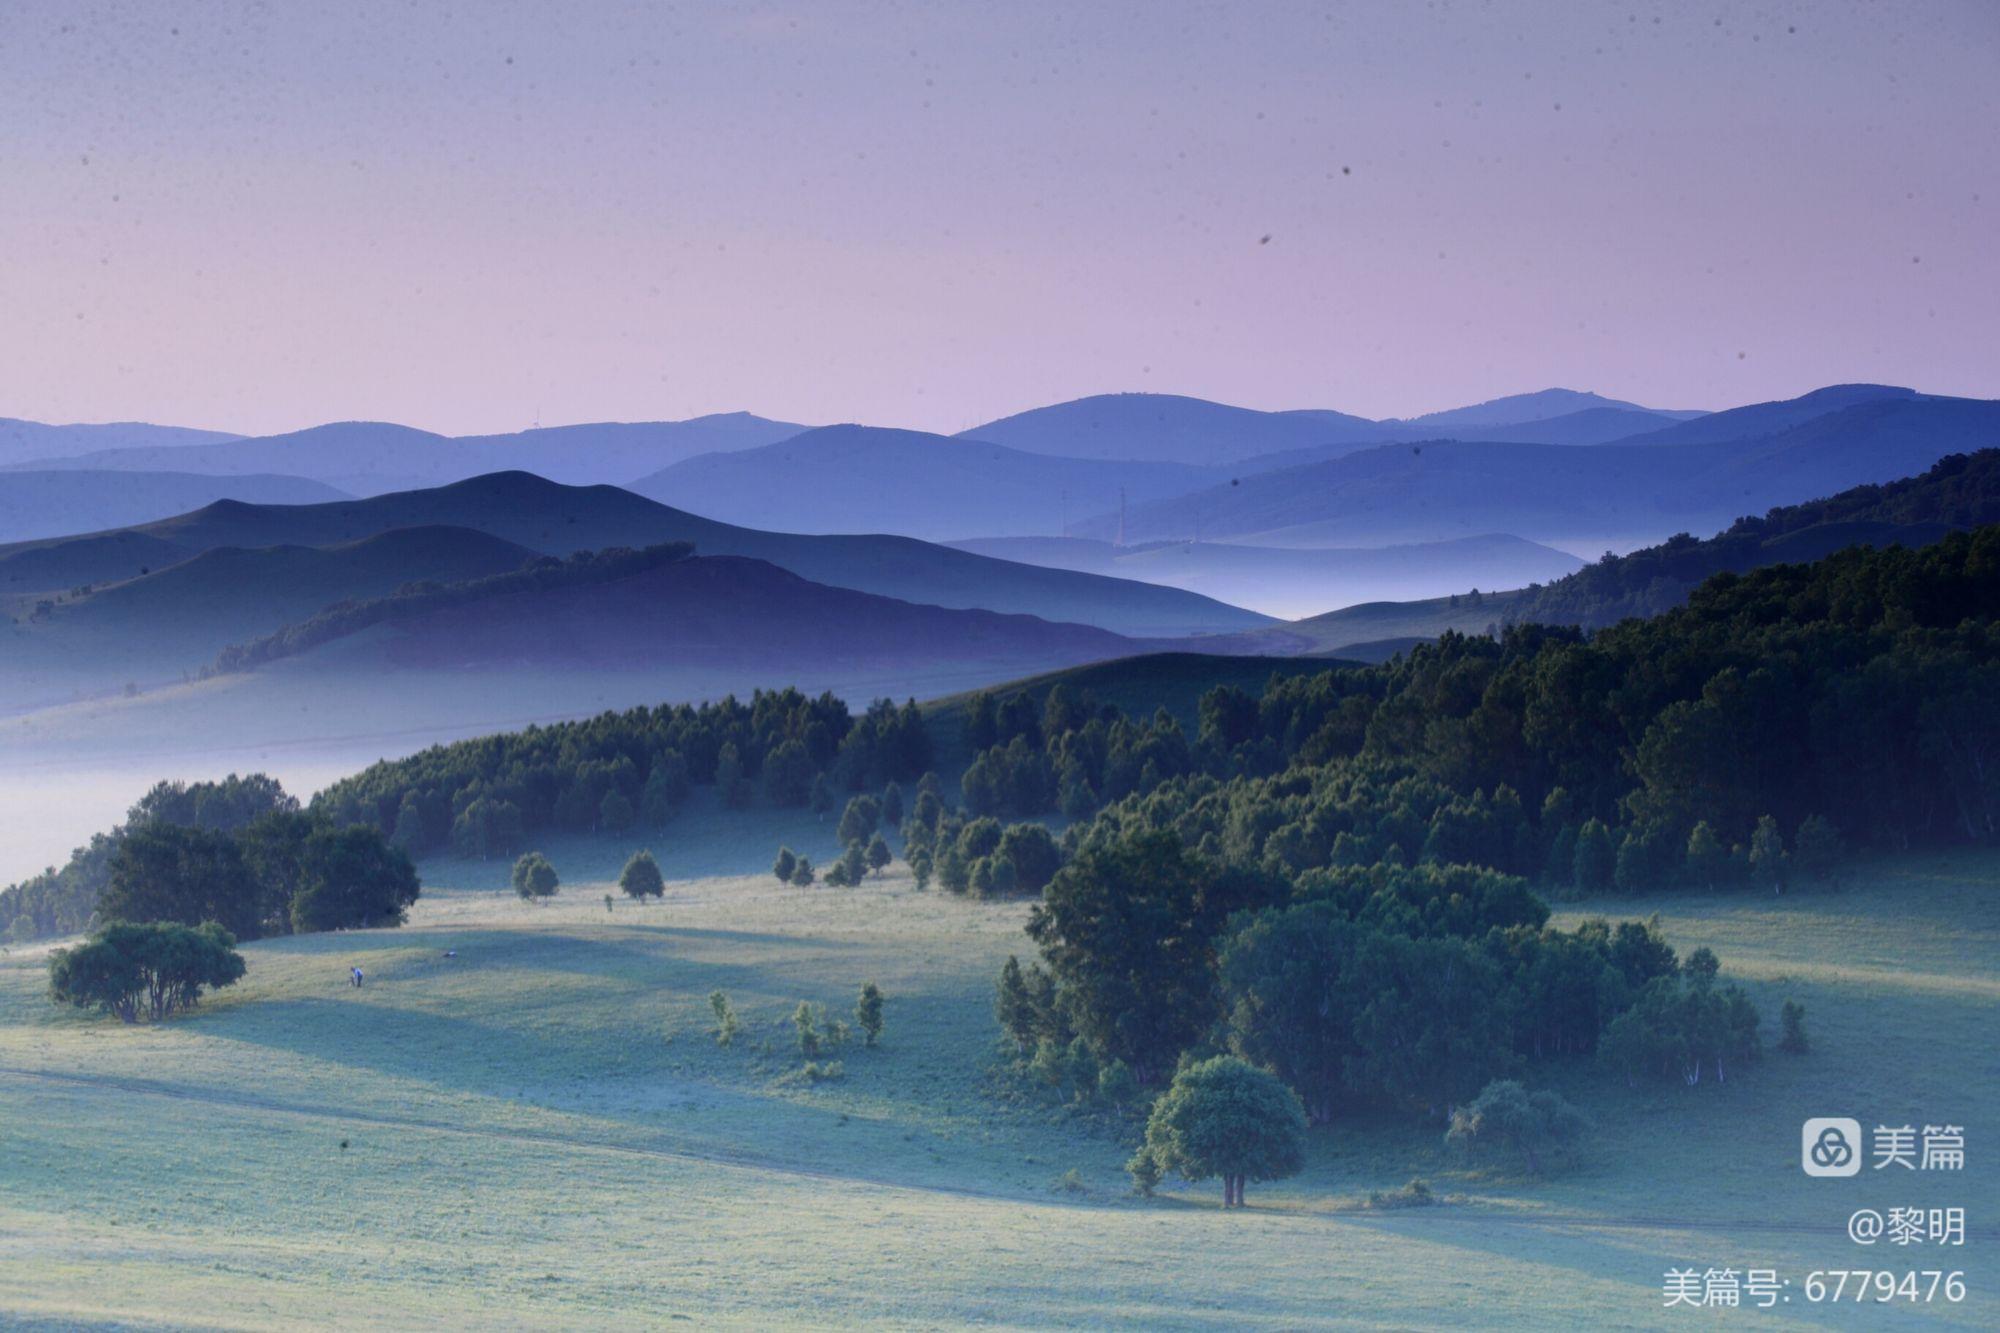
(930, 215)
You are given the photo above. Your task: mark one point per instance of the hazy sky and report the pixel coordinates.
(474, 217)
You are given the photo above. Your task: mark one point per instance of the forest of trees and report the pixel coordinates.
(488, 797)
(1332, 881)
(1777, 721)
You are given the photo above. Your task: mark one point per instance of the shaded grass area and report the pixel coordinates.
(541, 1130)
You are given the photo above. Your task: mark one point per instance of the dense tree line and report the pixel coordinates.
(616, 771)
(1070, 754)
(1754, 735)
(1389, 986)
(61, 901)
(1337, 888)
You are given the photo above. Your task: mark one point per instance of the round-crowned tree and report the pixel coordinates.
(1226, 1117)
(641, 878)
(534, 878)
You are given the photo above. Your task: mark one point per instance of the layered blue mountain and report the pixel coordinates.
(1292, 582)
(26, 441)
(860, 479)
(549, 518)
(49, 504)
(373, 457)
(1167, 428)
(1695, 476)
(1520, 409)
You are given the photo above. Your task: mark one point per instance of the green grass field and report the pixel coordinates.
(541, 1132)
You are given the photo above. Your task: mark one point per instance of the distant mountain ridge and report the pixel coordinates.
(1299, 582)
(1170, 427)
(1523, 408)
(374, 457)
(863, 479)
(25, 441)
(1697, 476)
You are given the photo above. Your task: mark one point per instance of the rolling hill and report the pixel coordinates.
(373, 457)
(547, 517)
(1525, 408)
(229, 592)
(1582, 498)
(1158, 427)
(169, 622)
(726, 612)
(1297, 582)
(867, 479)
(48, 504)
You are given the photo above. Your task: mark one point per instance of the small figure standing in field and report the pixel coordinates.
(359, 977)
(607, 902)
(353, 976)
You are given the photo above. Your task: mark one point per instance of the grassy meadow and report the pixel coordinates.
(542, 1131)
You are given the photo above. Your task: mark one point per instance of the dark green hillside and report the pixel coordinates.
(1961, 491)
(1777, 717)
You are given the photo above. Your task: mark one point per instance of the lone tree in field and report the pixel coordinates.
(1015, 1007)
(726, 1023)
(534, 877)
(1226, 1117)
(1792, 1018)
(878, 853)
(785, 865)
(802, 873)
(1506, 1115)
(868, 1013)
(859, 820)
(145, 970)
(641, 878)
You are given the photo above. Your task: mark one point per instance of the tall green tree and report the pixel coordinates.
(534, 878)
(1129, 930)
(1225, 1117)
(641, 878)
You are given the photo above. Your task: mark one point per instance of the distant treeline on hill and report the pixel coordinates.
(1775, 718)
(543, 574)
(485, 797)
(1959, 492)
